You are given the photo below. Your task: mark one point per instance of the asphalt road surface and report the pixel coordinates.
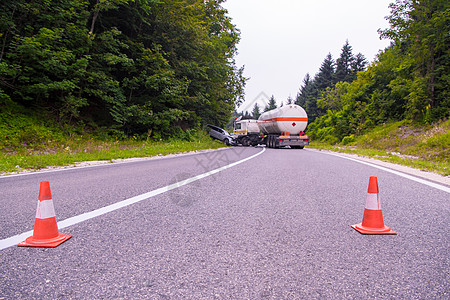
(273, 225)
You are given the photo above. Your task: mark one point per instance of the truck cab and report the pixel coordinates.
(247, 132)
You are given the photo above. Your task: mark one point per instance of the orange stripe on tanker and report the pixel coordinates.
(287, 119)
(290, 119)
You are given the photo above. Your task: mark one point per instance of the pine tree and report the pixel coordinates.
(325, 77)
(256, 112)
(306, 91)
(272, 104)
(359, 64)
(289, 100)
(322, 80)
(344, 64)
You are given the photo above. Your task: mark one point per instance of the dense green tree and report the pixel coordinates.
(330, 73)
(420, 28)
(271, 105)
(306, 92)
(376, 96)
(344, 71)
(256, 111)
(322, 80)
(325, 77)
(408, 80)
(43, 55)
(359, 64)
(138, 67)
(332, 98)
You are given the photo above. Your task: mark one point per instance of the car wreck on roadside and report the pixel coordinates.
(220, 134)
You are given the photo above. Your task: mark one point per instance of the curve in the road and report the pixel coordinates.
(11, 241)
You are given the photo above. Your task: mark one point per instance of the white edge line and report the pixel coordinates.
(105, 163)
(410, 177)
(14, 240)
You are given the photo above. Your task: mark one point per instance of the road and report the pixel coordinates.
(274, 226)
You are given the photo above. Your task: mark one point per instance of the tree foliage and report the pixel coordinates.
(138, 67)
(408, 80)
(271, 105)
(330, 74)
(256, 111)
(420, 28)
(289, 100)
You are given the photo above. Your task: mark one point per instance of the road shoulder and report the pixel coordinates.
(404, 169)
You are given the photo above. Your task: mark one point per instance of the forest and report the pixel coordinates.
(146, 68)
(158, 68)
(408, 80)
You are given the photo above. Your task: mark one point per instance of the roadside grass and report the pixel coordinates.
(81, 151)
(425, 147)
(28, 145)
(30, 141)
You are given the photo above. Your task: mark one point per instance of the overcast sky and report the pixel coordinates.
(282, 40)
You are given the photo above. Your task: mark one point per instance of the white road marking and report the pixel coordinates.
(14, 240)
(93, 164)
(410, 177)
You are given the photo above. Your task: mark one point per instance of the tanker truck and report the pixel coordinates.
(275, 128)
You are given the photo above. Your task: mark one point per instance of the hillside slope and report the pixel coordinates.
(425, 147)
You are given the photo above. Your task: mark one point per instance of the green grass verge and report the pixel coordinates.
(30, 140)
(425, 147)
(82, 150)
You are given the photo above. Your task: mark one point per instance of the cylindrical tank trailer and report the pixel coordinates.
(290, 118)
(276, 128)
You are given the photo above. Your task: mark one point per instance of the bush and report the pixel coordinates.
(348, 139)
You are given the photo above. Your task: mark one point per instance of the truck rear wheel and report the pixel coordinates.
(269, 141)
(245, 141)
(272, 141)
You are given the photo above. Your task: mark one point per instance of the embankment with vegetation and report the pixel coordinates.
(32, 141)
(425, 147)
(99, 80)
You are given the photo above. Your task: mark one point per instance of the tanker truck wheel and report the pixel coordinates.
(275, 144)
(245, 142)
(271, 141)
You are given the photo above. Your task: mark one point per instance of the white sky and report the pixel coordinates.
(282, 40)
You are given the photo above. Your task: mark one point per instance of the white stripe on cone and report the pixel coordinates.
(45, 210)
(373, 202)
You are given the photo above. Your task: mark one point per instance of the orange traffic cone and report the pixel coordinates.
(373, 217)
(45, 232)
